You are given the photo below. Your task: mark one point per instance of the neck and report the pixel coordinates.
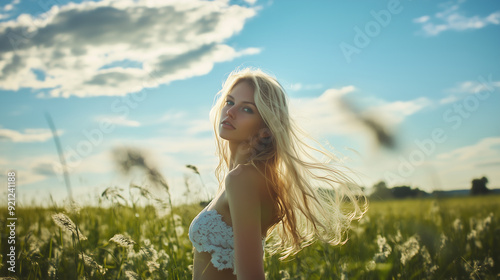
(240, 154)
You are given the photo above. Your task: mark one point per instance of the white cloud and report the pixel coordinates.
(451, 18)
(28, 135)
(458, 167)
(421, 19)
(300, 86)
(118, 120)
(486, 149)
(470, 87)
(74, 50)
(251, 2)
(183, 123)
(31, 169)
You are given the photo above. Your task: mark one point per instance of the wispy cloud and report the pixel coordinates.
(472, 161)
(469, 87)
(28, 135)
(300, 86)
(183, 123)
(118, 120)
(5, 10)
(79, 49)
(452, 18)
(484, 150)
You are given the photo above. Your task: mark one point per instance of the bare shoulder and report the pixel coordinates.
(246, 178)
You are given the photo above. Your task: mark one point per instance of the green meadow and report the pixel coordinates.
(449, 238)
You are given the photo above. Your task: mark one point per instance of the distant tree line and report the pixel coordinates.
(382, 192)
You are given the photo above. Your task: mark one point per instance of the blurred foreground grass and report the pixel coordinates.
(454, 238)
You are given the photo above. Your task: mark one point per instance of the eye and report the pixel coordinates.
(248, 109)
(227, 102)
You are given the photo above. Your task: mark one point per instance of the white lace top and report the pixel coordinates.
(209, 233)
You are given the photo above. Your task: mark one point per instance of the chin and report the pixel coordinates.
(222, 136)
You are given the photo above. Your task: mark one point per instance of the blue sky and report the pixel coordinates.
(144, 74)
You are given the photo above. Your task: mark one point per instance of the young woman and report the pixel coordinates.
(270, 184)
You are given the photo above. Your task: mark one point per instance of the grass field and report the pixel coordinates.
(455, 238)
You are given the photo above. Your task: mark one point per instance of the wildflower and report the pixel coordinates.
(487, 221)
(384, 250)
(489, 261)
(398, 237)
(153, 266)
(148, 251)
(122, 241)
(444, 240)
(284, 274)
(371, 266)
(457, 225)
(65, 223)
(162, 255)
(409, 249)
(474, 236)
(131, 275)
(177, 219)
(475, 269)
(52, 268)
(179, 230)
(428, 267)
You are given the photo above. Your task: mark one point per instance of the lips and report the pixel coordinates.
(227, 123)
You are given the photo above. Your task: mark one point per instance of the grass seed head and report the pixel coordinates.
(65, 223)
(122, 241)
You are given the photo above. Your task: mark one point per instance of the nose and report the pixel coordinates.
(230, 113)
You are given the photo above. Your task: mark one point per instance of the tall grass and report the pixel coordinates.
(455, 238)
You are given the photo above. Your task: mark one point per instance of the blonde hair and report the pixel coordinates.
(310, 205)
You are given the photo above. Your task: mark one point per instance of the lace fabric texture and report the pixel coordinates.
(209, 233)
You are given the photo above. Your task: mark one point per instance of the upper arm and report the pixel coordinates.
(245, 206)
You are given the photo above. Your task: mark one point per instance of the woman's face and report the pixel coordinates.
(239, 119)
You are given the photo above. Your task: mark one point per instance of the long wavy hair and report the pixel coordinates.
(315, 199)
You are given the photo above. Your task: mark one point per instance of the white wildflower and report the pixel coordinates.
(487, 221)
(489, 261)
(371, 266)
(474, 236)
(177, 220)
(131, 275)
(384, 250)
(153, 266)
(443, 242)
(409, 249)
(179, 230)
(457, 225)
(398, 238)
(284, 274)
